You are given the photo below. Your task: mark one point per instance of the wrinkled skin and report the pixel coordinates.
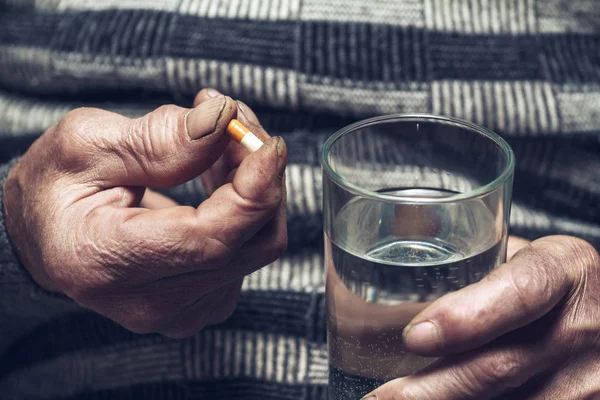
(529, 330)
(84, 223)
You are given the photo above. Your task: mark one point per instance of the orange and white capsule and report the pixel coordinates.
(243, 136)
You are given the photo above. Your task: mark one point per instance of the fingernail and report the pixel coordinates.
(213, 92)
(282, 156)
(247, 112)
(202, 120)
(369, 397)
(423, 335)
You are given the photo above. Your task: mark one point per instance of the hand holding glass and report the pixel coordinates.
(414, 207)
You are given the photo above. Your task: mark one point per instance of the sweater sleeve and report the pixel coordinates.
(23, 304)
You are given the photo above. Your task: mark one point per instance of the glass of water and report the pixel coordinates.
(415, 206)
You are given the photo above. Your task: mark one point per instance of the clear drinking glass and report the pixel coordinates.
(415, 206)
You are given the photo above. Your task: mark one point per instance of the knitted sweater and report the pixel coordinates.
(528, 69)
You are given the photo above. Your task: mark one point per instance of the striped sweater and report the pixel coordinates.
(528, 69)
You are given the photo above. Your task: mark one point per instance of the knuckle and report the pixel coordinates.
(78, 126)
(70, 131)
(73, 134)
(502, 369)
(77, 119)
(152, 136)
(531, 286)
(563, 248)
(571, 259)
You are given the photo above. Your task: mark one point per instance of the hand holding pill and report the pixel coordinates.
(126, 251)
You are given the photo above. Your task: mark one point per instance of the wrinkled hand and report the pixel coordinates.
(83, 222)
(529, 330)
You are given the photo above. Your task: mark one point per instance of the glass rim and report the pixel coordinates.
(475, 193)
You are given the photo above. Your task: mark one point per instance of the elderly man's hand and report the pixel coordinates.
(529, 330)
(83, 222)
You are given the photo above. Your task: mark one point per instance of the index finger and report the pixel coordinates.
(515, 294)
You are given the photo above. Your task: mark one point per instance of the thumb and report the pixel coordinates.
(168, 146)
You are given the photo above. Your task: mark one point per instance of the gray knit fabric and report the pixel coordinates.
(24, 305)
(528, 69)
